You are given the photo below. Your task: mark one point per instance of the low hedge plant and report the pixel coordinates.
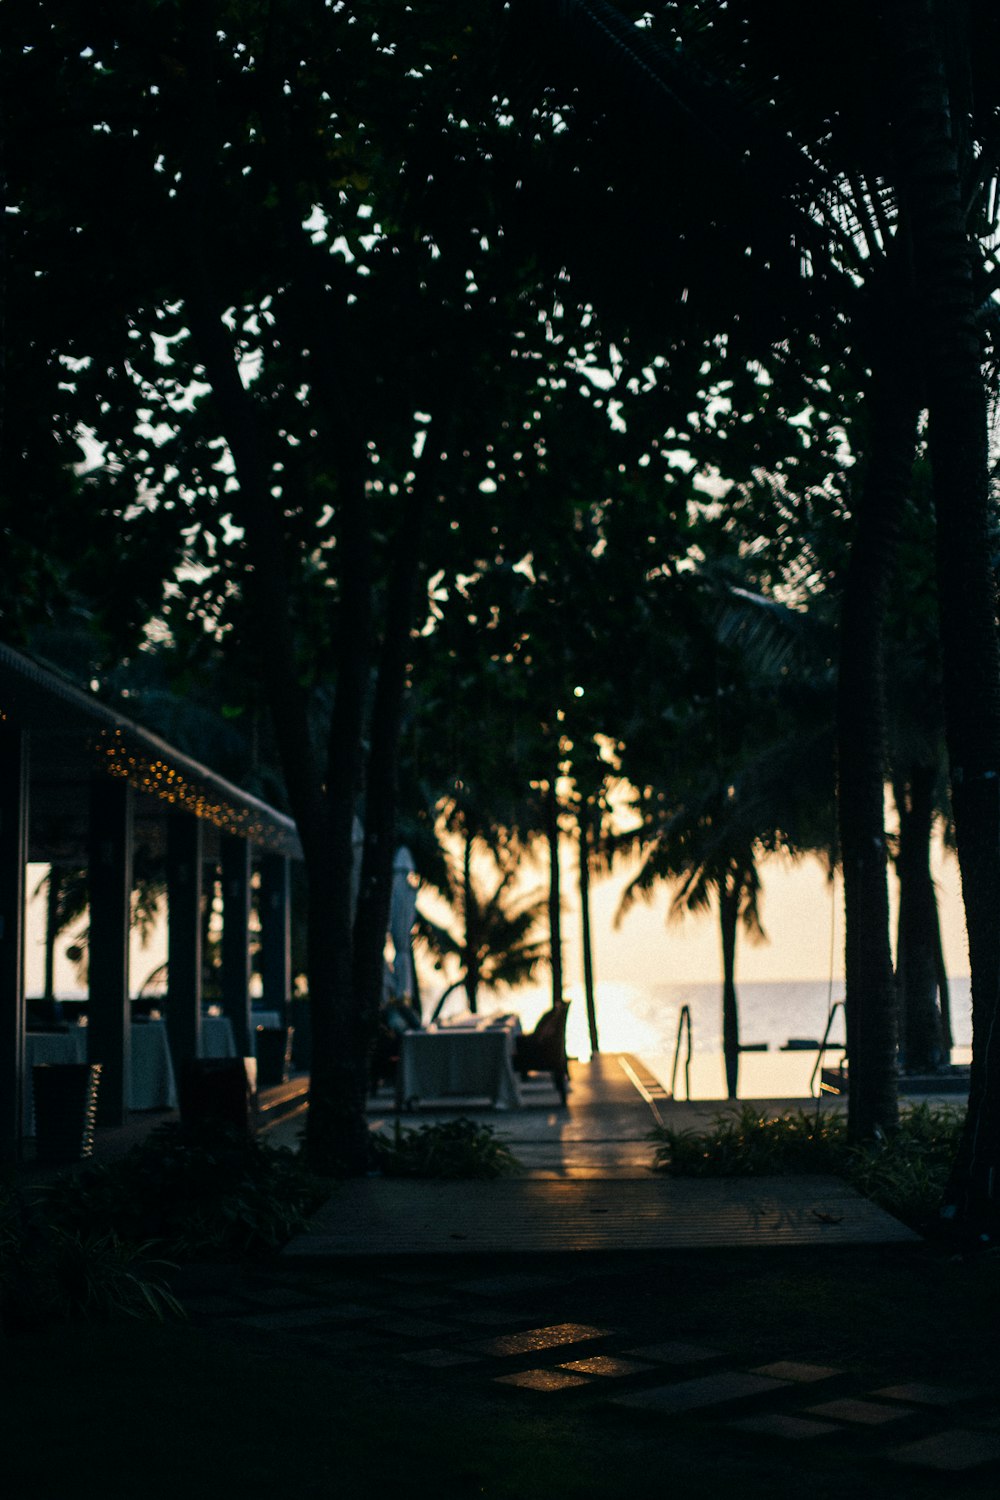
(453, 1149)
(904, 1173)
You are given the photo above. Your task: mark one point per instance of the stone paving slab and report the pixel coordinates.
(785, 1426)
(439, 1359)
(331, 1340)
(673, 1353)
(491, 1316)
(954, 1451)
(687, 1396)
(413, 1328)
(502, 1286)
(541, 1380)
(791, 1369)
(214, 1304)
(282, 1296)
(535, 1339)
(347, 1312)
(609, 1365)
(922, 1394)
(422, 1302)
(860, 1413)
(290, 1319)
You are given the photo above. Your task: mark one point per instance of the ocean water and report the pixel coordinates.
(644, 1021)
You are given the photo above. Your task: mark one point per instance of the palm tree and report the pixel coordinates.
(709, 844)
(707, 863)
(495, 936)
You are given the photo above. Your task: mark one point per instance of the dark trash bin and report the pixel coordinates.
(219, 1093)
(274, 1055)
(65, 1110)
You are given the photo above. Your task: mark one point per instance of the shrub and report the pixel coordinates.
(50, 1274)
(905, 1173)
(455, 1149)
(221, 1197)
(747, 1143)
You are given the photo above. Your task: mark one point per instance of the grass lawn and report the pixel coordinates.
(185, 1411)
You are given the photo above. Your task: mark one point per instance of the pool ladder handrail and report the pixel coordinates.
(683, 1023)
(827, 1046)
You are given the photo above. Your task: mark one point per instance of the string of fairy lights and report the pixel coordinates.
(158, 778)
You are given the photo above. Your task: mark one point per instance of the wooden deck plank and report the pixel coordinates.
(588, 1185)
(386, 1217)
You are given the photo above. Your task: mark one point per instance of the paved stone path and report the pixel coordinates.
(491, 1329)
(542, 1337)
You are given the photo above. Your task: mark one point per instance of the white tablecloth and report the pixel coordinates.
(469, 1062)
(151, 1082)
(217, 1039)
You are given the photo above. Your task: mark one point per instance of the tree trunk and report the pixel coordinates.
(471, 935)
(323, 805)
(944, 989)
(729, 916)
(931, 192)
(873, 1106)
(588, 951)
(555, 893)
(51, 933)
(375, 890)
(921, 1048)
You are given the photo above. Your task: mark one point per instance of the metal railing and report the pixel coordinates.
(683, 1026)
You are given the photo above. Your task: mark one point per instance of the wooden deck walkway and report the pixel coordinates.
(588, 1186)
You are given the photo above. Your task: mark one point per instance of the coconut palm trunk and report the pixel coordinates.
(872, 1028)
(555, 892)
(585, 930)
(470, 955)
(51, 934)
(944, 989)
(729, 916)
(926, 120)
(921, 1043)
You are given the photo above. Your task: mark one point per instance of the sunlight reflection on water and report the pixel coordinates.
(643, 1021)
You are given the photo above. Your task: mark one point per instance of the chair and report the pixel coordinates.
(395, 1017)
(544, 1049)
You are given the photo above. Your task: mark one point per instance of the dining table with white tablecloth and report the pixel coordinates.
(151, 1075)
(470, 1059)
(151, 1079)
(217, 1037)
(68, 1046)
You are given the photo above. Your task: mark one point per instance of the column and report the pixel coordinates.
(184, 929)
(235, 859)
(110, 898)
(13, 859)
(276, 933)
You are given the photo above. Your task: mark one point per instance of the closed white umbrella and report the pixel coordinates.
(357, 850)
(402, 912)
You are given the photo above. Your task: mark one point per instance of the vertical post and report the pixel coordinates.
(236, 939)
(585, 932)
(13, 859)
(276, 933)
(110, 899)
(555, 897)
(184, 926)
